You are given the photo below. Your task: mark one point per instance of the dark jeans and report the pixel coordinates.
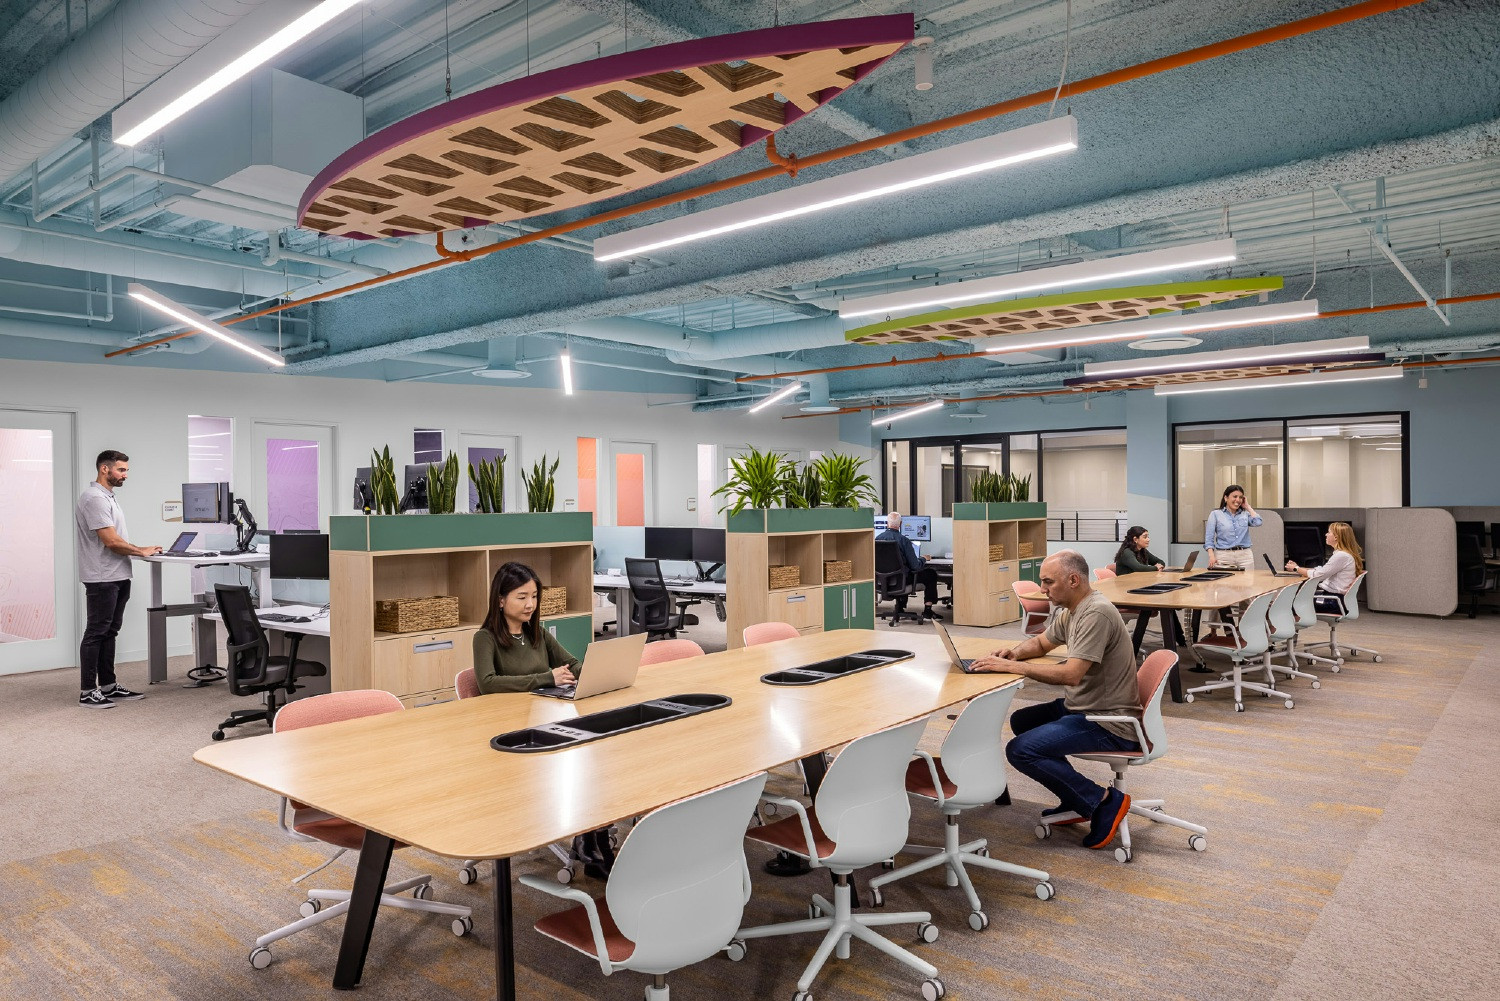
(1143, 620)
(1045, 735)
(96, 654)
(1328, 603)
(927, 577)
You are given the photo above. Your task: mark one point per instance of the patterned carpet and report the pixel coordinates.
(1342, 863)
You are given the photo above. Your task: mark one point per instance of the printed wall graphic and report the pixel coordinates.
(28, 571)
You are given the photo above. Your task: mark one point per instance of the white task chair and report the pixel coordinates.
(676, 893)
(969, 772)
(1281, 622)
(1307, 617)
(1151, 682)
(1350, 613)
(1246, 643)
(858, 818)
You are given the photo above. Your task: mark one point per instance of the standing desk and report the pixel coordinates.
(428, 777)
(157, 613)
(1221, 593)
(713, 590)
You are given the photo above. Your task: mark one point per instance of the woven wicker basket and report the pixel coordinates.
(1027, 550)
(410, 615)
(835, 571)
(997, 552)
(554, 600)
(785, 576)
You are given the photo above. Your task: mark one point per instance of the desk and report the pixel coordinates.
(620, 584)
(158, 613)
(1221, 593)
(428, 777)
(321, 624)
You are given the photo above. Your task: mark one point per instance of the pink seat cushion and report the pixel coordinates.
(571, 928)
(786, 834)
(919, 779)
(1219, 639)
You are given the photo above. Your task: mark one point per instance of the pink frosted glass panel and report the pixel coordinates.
(291, 483)
(630, 489)
(28, 573)
(588, 476)
(210, 449)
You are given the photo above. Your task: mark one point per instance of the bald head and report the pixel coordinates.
(1065, 577)
(893, 520)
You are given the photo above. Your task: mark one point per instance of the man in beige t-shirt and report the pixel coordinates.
(1099, 675)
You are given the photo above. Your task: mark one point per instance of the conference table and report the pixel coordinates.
(429, 778)
(1195, 597)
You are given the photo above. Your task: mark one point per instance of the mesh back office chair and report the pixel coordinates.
(894, 580)
(969, 772)
(1475, 576)
(651, 610)
(1245, 643)
(313, 825)
(252, 669)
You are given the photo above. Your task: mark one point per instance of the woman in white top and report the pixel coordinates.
(1335, 577)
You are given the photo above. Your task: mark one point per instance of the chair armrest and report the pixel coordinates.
(937, 782)
(801, 811)
(1140, 734)
(601, 950)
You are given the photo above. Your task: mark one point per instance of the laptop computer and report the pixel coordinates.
(608, 666)
(1192, 558)
(1274, 571)
(180, 547)
(963, 664)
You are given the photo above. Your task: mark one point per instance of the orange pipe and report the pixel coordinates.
(1203, 53)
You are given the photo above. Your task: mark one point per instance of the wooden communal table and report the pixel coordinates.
(429, 778)
(1221, 593)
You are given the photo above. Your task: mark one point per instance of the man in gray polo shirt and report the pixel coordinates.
(1099, 676)
(104, 568)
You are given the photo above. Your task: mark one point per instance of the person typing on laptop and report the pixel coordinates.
(1337, 575)
(512, 652)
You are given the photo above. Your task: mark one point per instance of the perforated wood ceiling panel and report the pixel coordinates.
(598, 129)
(1060, 311)
(1299, 367)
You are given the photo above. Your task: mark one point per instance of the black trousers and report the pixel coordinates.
(105, 603)
(927, 577)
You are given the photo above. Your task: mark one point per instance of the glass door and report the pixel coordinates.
(634, 471)
(292, 476)
(39, 590)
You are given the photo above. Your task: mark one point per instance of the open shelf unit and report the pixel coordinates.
(982, 594)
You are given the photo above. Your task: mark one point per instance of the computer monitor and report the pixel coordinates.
(364, 495)
(669, 544)
(1474, 528)
(1304, 542)
(708, 545)
(415, 497)
(226, 504)
(881, 522)
(917, 527)
(201, 503)
(299, 557)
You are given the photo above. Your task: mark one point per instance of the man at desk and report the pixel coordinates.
(104, 570)
(1099, 676)
(921, 572)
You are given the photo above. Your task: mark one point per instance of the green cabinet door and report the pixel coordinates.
(835, 607)
(862, 605)
(574, 632)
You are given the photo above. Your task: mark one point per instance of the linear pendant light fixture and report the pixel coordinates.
(1285, 381)
(199, 322)
(1230, 358)
(566, 360)
(780, 394)
(1032, 142)
(262, 53)
(903, 414)
(1181, 323)
(1184, 258)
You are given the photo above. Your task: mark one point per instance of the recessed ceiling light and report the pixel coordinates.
(502, 373)
(1165, 343)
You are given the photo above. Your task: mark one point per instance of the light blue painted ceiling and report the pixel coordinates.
(1395, 115)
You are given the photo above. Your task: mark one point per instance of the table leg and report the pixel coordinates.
(156, 631)
(1171, 641)
(624, 608)
(364, 903)
(505, 943)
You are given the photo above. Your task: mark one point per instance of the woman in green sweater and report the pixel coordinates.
(512, 652)
(1134, 557)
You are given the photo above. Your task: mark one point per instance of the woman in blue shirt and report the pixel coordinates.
(1226, 537)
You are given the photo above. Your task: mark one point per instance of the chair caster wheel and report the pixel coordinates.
(1289, 703)
(1317, 684)
(802, 996)
(769, 809)
(1239, 707)
(219, 735)
(1043, 832)
(1188, 697)
(422, 891)
(1123, 854)
(933, 989)
(309, 907)
(260, 958)
(462, 926)
(927, 932)
(565, 875)
(982, 851)
(468, 874)
(978, 920)
(1198, 843)
(877, 899)
(1377, 659)
(814, 912)
(736, 949)
(1045, 890)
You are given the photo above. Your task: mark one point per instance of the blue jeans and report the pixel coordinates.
(1045, 735)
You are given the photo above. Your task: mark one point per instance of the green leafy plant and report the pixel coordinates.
(442, 486)
(812, 486)
(489, 483)
(843, 483)
(1020, 488)
(800, 488)
(985, 488)
(383, 481)
(757, 480)
(541, 492)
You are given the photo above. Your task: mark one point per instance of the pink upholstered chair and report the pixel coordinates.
(465, 685)
(769, 632)
(307, 824)
(664, 650)
(1034, 605)
(1103, 573)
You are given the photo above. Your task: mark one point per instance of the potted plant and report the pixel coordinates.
(383, 481)
(756, 480)
(442, 486)
(843, 484)
(489, 484)
(541, 493)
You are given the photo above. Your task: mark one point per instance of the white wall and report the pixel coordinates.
(1084, 478)
(144, 413)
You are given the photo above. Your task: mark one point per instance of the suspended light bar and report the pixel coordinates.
(1129, 330)
(1193, 255)
(1016, 146)
(1227, 359)
(780, 394)
(199, 322)
(902, 415)
(1285, 381)
(264, 52)
(566, 359)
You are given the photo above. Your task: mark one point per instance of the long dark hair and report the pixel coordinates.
(1128, 546)
(507, 579)
(1224, 500)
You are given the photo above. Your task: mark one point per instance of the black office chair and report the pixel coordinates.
(1475, 577)
(651, 603)
(252, 669)
(894, 580)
